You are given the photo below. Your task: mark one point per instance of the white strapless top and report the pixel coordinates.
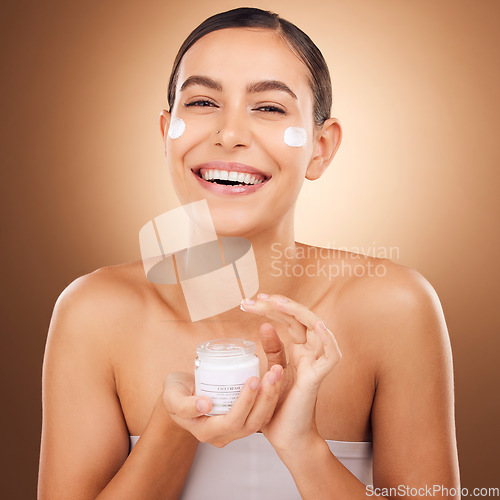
(249, 469)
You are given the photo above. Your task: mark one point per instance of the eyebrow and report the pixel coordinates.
(264, 85)
(252, 88)
(201, 80)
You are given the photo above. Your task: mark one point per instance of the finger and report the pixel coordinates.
(278, 371)
(261, 309)
(272, 345)
(238, 413)
(265, 403)
(315, 343)
(179, 399)
(332, 354)
(270, 310)
(288, 306)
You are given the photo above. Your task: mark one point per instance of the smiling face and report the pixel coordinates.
(240, 92)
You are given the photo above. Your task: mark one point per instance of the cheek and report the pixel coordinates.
(291, 142)
(290, 147)
(177, 128)
(183, 135)
(295, 137)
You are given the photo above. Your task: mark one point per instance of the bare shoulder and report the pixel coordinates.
(400, 324)
(83, 422)
(395, 309)
(372, 294)
(114, 291)
(106, 288)
(97, 306)
(387, 286)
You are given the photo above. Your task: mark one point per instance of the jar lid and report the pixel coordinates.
(226, 348)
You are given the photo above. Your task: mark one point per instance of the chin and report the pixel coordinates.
(233, 223)
(232, 228)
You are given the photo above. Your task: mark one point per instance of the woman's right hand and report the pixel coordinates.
(252, 410)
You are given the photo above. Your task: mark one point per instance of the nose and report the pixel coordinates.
(233, 130)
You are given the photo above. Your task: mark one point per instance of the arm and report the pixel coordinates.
(412, 414)
(413, 411)
(85, 441)
(292, 430)
(159, 463)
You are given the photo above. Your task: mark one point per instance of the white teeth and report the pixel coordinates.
(240, 177)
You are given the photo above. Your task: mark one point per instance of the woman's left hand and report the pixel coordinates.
(312, 354)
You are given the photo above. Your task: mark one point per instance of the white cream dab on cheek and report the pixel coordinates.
(295, 137)
(177, 127)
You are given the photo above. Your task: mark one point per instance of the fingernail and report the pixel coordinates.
(263, 296)
(283, 299)
(254, 383)
(278, 370)
(202, 406)
(271, 378)
(322, 325)
(247, 302)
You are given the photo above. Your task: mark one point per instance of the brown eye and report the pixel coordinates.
(271, 109)
(201, 103)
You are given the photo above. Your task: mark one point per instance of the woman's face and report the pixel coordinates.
(248, 85)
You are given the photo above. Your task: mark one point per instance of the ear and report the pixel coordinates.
(164, 123)
(326, 143)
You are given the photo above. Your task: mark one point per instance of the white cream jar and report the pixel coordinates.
(221, 370)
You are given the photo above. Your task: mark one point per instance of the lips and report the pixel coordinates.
(216, 185)
(231, 167)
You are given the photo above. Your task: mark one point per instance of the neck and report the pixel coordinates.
(275, 257)
(275, 252)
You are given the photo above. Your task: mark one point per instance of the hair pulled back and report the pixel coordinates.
(299, 42)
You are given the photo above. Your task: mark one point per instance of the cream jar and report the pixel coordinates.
(221, 370)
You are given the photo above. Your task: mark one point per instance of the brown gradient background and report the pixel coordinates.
(83, 83)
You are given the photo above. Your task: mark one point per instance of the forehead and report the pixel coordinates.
(245, 55)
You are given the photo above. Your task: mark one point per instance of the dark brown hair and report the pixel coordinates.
(299, 42)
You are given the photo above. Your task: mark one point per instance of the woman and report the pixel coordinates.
(120, 350)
